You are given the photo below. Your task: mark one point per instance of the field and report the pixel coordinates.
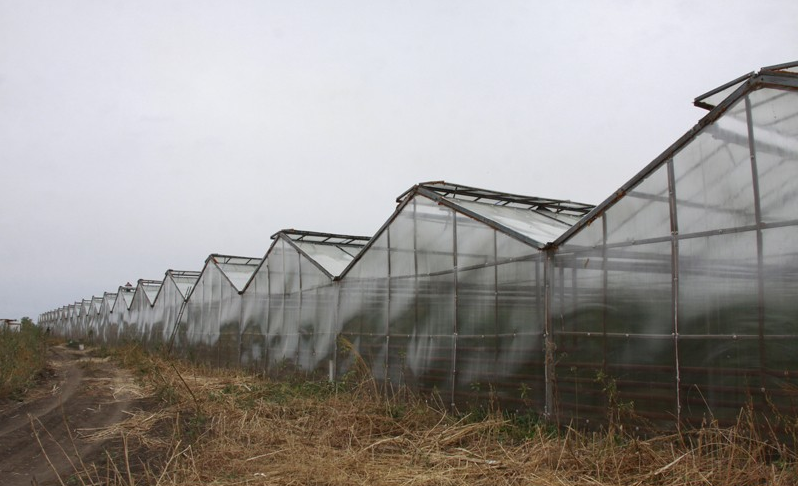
(191, 425)
(22, 358)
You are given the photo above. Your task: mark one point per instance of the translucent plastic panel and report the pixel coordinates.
(275, 266)
(291, 270)
(531, 224)
(403, 315)
(780, 316)
(477, 301)
(318, 330)
(719, 322)
(643, 213)
(152, 291)
(332, 258)
(418, 332)
(435, 306)
(774, 115)
(363, 317)
(184, 284)
(289, 352)
(780, 279)
(613, 322)
(374, 262)
(238, 274)
(475, 242)
(311, 276)
(307, 330)
(155, 316)
(401, 234)
(255, 308)
(719, 285)
(203, 309)
(316, 333)
(434, 237)
(510, 248)
(230, 315)
(713, 177)
(499, 344)
(719, 375)
(430, 365)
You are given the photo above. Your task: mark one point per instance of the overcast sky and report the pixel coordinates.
(144, 135)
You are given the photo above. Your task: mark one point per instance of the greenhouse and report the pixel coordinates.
(682, 286)
(120, 313)
(675, 298)
(144, 295)
(104, 316)
(449, 295)
(209, 329)
(289, 304)
(158, 325)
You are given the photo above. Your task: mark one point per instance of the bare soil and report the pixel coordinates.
(46, 436)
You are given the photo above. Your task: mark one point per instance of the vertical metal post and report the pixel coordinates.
(240, 330)
(496, 299)
(455, 313)
(575, 323)
(549, 346)
(759, 242)
(299, 306)
(388, 306)
(266, 357)
(675, 262)
(605, 288)
(284, 276)
(416, 264)
(338, 326)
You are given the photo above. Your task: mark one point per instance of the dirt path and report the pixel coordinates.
(82, 395)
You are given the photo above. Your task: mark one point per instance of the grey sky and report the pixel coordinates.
(141, 136)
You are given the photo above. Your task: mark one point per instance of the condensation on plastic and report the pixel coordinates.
(613, 298)
(683, 303)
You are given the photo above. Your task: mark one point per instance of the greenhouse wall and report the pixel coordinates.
(675, 300)
(443, 303)
(289, 306)
(683, 292)
(120, 313)
(213, 310)
(168, 316)
(104, 317)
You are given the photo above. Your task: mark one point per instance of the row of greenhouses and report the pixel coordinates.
(677, 294)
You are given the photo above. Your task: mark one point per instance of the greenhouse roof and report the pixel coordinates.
(712, 98)
(236, 269)
(96, 303)
(183, 279)
(127, 295)
(150, 289)
(537, 221)
(331, 252)
(500, 199)
(719, 101)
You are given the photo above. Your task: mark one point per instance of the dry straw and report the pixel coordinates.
(222, 427)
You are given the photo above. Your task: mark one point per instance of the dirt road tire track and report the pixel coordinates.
(84, 393)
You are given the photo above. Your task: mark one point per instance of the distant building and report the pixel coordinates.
(9, 324)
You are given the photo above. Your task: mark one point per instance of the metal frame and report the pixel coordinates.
(456, 191)
(771, 79)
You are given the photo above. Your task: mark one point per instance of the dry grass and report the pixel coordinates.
(22, 358)
(228, 428)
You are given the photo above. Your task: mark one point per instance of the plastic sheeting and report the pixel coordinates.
(678, 295)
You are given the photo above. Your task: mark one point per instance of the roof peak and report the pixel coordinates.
(495, 198)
